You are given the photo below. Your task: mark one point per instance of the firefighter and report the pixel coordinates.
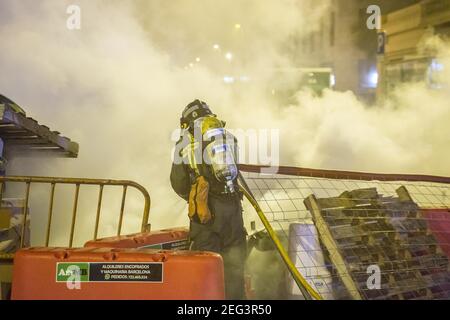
(210, 187)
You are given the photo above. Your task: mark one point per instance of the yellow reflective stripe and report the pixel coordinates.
(192, 160)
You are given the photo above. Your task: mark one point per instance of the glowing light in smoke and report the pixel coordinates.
(332, 80)
(216, 47)
(197, 59)
(229, 56)
(237, 26)
(373, 79)
(436, 65)
(228, 79)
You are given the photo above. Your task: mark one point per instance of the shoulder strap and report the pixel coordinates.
(189, 153)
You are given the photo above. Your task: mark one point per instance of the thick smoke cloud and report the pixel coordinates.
(118, 85)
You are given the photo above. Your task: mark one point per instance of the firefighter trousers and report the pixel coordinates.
(225, 235)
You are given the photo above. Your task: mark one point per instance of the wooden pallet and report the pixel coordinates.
(361, 228)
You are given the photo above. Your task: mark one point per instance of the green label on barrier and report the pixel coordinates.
(68, 271)
(109, 272)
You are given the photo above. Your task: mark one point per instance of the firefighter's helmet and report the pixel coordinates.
(193, 111)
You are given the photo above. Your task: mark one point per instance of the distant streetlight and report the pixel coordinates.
(216, 47)
(197, 59)
(228, 79)
(332, 80)
(229, 56)
(191, 64)
(237, 26)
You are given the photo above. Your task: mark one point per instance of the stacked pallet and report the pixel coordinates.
(362, 231)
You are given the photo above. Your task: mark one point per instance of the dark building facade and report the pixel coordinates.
(342, 41)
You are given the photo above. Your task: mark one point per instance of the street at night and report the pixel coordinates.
(211, 150)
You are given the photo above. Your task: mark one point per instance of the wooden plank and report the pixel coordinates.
(28, 127)
(12, 132)
(330, 244)
(26, 141)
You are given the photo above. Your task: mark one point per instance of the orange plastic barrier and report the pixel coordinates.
(101, 273)
(168, 239)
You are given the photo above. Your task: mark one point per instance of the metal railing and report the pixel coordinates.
(77, 182)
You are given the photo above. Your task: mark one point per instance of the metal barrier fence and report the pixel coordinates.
(77, 183)
(337, 225)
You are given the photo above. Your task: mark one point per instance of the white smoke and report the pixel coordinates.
(118, 86)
